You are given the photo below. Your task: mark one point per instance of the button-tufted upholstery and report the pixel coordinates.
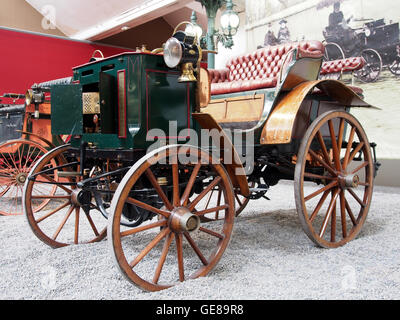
(342, 65)
(259, 69)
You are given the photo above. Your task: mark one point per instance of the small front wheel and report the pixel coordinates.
(145, 254)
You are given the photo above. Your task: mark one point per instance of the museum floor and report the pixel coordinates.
(269, 257)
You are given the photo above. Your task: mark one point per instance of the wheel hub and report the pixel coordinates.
(349, 181)
(21, 178)
(81, 197)
(182, 220)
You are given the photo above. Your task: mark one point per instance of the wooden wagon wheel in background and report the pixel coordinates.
(145, 254)
(214, 199)
(63, 221)
(372, 68)
(17, 157)
(334, 180)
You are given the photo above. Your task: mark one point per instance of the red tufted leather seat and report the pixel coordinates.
(259, 69)
(343, 65)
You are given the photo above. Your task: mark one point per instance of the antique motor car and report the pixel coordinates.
(25, 136)
(163, 151)
(377, 42)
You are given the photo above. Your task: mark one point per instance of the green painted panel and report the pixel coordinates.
(66, 109)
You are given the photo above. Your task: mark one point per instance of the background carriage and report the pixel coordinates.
(377, 42)
(117, 107)
(25, 134)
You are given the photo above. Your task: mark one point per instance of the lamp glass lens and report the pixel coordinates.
(172, 52)
(198, 31)
(225, 20)
(234, 21)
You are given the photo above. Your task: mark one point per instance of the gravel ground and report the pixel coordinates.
(269, 257)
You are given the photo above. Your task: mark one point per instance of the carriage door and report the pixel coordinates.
(108, 103)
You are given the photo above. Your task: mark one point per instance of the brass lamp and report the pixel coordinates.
(182, 50)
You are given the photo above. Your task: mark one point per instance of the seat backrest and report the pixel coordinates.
(266, 62)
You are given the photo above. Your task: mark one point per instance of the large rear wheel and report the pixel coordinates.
(334, 179)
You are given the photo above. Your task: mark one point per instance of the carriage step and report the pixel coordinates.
(63, 174)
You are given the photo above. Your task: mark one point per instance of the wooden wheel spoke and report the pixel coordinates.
(54, 181)
(324, 164)
(361, 166)
(211, 232)
(319, 205)
(195, 248)
(343, 214)
(92, 225)
(354, 153)
(215, 209)
(349, 211)
(340, 135)
(53, 212)
(179, 252)
(163, 256)
(333, 220)
(7, 163)
(238, 200)
(2, 193)
(159, 190)
(324, 149)
(189, 186)
(336, 155)
(147, 207)
(161, 223)
(327, 187)
(348, 148)
(175, 182)
(14, 163)
(209, 199)
(214, 183)
(149, 247)
(329, 212)
(38, 155)
(50, 197)
(316, 176)
(218, 203)
(362, 204)
(63, 223)
(76, 235)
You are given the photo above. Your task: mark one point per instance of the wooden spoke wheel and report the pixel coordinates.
(17, 157)
(372, 68)
(146, 254)
(394, 67)
(62, 221)
(334, 179)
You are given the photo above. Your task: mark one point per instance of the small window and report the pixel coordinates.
(121, 104)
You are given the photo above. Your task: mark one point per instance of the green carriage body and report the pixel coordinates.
(137, 93)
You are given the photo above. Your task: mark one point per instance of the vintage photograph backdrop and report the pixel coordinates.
(307, 20)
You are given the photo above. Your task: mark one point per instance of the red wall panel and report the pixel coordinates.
(27, 58)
